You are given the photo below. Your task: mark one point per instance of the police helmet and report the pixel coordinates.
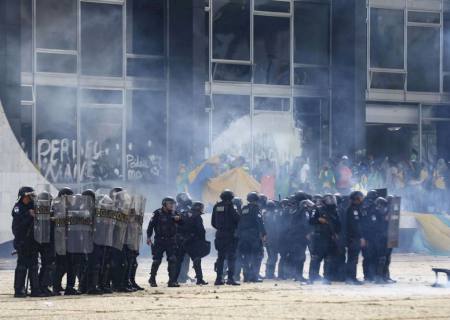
(372, 195)
(89, 193)
(167, 200)
(237, 202)
(227, 195)
(184, 199)
(66, 191)
(270, 205)
(45, 195)
(252, 197)
(25, 191)
(329, 200)
(198, 207)
(300, 196)
(114, 191)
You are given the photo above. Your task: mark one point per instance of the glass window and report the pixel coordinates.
(423, 59)
(446, 41)
(271, 50)
(386, 38)
(231, 125)
(231, 29)
(272, 104)
(311, 76)
(56, 62)
(231, 72)
(312, 33)
(101, 39)
(56, 24)
(424, 17)
(26, 36)
(392, 81)
(56, 132)
(101, 144)
(145, 23)
(101, 96)
(146, 136)
(272, 5)
(26, 120)
(146, 67)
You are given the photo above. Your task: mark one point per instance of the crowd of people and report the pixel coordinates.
(423, 186)
(95, 238)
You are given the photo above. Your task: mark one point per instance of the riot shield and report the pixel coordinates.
(42, 220)
(59, 219)
(80, 224)
(133, 236)
(104, 221)
(122, 205)
(394, 222)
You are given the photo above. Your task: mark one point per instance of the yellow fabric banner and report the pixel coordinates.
(237, 180)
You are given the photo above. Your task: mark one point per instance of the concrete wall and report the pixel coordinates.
(15, 171)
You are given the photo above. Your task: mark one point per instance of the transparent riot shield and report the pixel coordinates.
(59, 220)
(133, 236)
(42, 221)
(394, 222)
(80, 211)
(122, 205)
(104, 220)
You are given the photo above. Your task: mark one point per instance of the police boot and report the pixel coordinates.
(45, 279)
(218, 267)
(299, 276)
(270, 271)
(199, 272)
(93, 283)
(230, 279)
(153, 272)
(172, 268)
(34, 283)
(379, 273)
(105, 281)
(133, 283)
(57, 280)
(20, 276)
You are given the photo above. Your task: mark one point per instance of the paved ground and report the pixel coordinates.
(411, 298)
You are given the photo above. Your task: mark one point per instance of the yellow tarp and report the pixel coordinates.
(237, 180)
(194, 173)
(435, 231)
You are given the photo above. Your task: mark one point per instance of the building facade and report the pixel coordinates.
(127, 90)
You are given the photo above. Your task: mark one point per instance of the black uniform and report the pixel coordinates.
(225, 220)
(323, 240)
(284, 271)
(164, 226)
(368, 222)
(250, 232)
(353, 237)
(297, 232)
(191, 235)
(272, 220)
(26, 248)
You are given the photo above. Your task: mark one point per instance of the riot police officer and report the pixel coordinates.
(354, 239)
(44, 239)
(164, 226)
(326, 226)
(285, 220)
(380, 249)
(23, 215)
(192, 240)
(61, 260)
(91, 281)
(184, 204)
(251, 234)
(368, 219)
(272, 221)
(225, 220)
(119, 251)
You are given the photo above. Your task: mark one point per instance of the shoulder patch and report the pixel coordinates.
(16, 209)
